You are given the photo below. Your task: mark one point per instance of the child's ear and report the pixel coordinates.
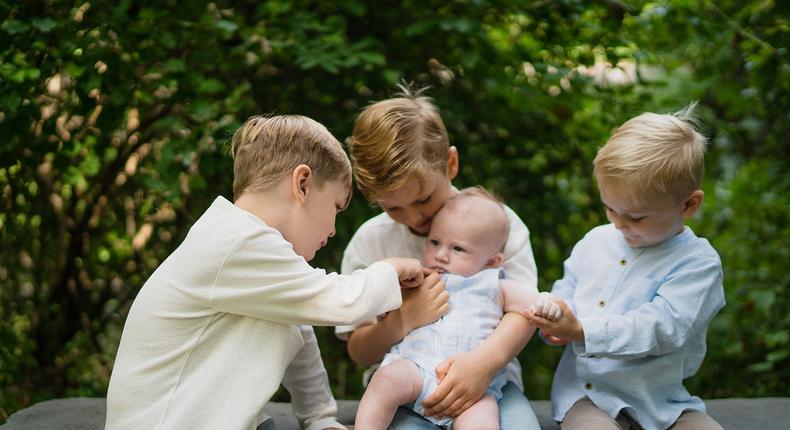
(693, 203)
(452, 163)
(301, 182)
(495, 261)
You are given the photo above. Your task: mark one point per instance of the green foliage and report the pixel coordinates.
(114, 124)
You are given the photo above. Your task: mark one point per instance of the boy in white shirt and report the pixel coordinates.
(465, 246)
(403, 162)
(638, 294)
(216, 327)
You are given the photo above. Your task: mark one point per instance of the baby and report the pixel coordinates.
(465, 245)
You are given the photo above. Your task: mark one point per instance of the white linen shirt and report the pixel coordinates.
(645, 314)
(221, 323)
(382, 237)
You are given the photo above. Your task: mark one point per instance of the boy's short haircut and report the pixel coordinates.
(652, 155)
(502, 228)
(396, 140)
(266, 149)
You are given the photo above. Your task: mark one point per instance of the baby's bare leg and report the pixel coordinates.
(392, 385)
(483, 415)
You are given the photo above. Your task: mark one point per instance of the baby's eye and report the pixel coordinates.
(458, 249)
(637, 219)
(434, 242)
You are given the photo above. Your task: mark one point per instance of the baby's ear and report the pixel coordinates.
(495, 260)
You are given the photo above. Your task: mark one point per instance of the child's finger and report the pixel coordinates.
(555, 312)
(532, 318)
(443, 368)
(554, 340)
(443, 406)
(545, 308)
(536, 319)
(432, 280)
(437, 400)
(455, 409)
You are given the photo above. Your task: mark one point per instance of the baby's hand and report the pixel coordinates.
(546, 307)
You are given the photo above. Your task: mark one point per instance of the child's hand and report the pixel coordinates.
(462, 382)
(410, 271)
(546, 308)
(566, 329)
(424, 304)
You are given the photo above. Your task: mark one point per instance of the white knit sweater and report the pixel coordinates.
(213, 330)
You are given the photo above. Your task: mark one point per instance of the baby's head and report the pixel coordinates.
(468, 234)
(649, 175)
(402, 158)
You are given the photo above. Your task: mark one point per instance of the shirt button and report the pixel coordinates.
(602, 303)
(588, 386)
(622, 262)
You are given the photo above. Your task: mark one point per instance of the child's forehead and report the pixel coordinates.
(627, 201)
(341, 189)
(416, 188)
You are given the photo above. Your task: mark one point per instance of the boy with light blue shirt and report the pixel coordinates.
(638, 294)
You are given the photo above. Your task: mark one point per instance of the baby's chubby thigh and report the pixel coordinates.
(399, 380)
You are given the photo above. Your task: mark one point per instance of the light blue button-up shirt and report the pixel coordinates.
(645, 313)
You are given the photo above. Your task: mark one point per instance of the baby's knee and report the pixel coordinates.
(397, 377)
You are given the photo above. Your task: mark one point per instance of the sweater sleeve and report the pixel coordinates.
(307, 382)
(262, 277)
(683, 306)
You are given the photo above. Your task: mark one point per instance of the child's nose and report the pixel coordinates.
(618, 222)
(442, 255)
(414, 217)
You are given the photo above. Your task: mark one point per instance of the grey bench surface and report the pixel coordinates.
(768, 413)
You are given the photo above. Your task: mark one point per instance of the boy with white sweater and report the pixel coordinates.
(222, 322)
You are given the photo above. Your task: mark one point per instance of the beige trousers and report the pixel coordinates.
(584, 415)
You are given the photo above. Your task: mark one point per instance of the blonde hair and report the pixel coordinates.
(499, 229)
(265, 149)
(653, 154)
(396, 140)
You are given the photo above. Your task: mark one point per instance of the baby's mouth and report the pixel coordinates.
(438, 269)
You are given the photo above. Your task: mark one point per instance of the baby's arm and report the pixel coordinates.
(517, 299)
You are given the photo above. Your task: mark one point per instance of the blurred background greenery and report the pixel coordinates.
(115, 119)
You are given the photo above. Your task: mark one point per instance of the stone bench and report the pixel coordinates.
(769, 413)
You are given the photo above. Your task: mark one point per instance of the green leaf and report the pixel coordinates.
(13, 26)
(210, 86)
(45, 24)
(91, 165)
(175, 65)
(226, 26)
